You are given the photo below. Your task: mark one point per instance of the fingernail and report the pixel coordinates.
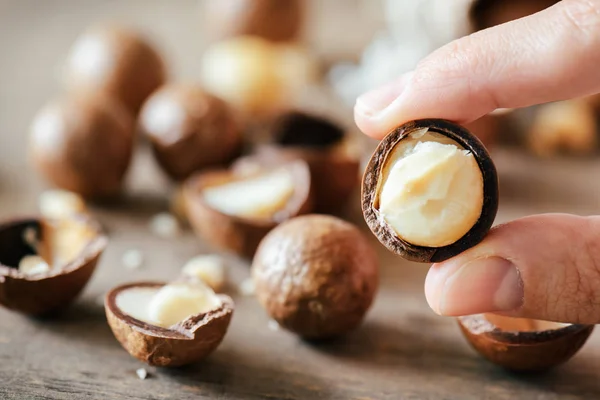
(374, 102)
(482, 285)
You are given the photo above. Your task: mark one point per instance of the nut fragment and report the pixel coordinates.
(523, 344)
(44, 274)
(141, 373)
(168, 325)
(117, 62)
(430, 191)
(566, 126)
(208, 268)
(55, 204)
(316, 275)
(165, 225)
(33, 265)
(132, 259)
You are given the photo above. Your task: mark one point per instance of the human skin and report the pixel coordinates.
(543, 266)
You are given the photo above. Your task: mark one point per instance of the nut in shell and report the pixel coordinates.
(44, 264)
(430, 191)
(523, 344)
(274, 20)
(72, 138)
(117, 62)
(316, 275)
(234, 211)
(168, 325)
(189, 129)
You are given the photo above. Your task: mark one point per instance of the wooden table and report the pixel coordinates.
(403, 350)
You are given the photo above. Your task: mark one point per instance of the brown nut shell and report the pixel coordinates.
(117, 62)
(386, 234)
(236, 234)
(187, 342)
(487, 13)
(83, 143)
(189, 129)
(52, 291)
(273, 20)
(316, 275)
(321, 144)
(523, 348)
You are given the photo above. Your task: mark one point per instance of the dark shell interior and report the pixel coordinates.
(303, 130)
(13, 243)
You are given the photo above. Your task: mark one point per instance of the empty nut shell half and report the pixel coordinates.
(186, 342)
(324, 146)
(233, 210)
(430, 191)
(64, 254)
(523, 344)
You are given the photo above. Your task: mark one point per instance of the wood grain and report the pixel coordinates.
(403, 351)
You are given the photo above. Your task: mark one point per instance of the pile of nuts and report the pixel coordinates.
(244, 195)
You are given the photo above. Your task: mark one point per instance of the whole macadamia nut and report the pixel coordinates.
(189, 129)
(83, 143)
(316, 275)
(274, 20)
(115, 61)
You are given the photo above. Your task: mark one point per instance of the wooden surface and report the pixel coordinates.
(403, 350)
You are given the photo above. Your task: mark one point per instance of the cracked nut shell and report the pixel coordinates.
(83, 143)
(187, 342)
(370, 187)
(321, 144)
(518, 344)
(189, 129)
(241, 235)
(51, 291)
(117, 62)
(316, 275)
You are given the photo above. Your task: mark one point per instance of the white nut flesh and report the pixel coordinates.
(209, 269)
(168, 305)
(33, 265)
(431, 190)
(57, 204)
(258, 197)
(165, 225)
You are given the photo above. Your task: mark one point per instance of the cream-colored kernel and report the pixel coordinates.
(208, 268)
(431, 191)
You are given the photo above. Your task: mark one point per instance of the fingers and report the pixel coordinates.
(543, 267)
(549, 56)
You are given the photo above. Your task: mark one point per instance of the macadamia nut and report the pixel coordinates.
(431, 190)
(169, 304)
(33, 265)
(208, 268)
(257, 197)
(55, 204)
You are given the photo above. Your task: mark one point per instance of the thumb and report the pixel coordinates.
(549, 56)
(542, 267)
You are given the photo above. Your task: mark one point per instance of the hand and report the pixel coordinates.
(546, 266)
